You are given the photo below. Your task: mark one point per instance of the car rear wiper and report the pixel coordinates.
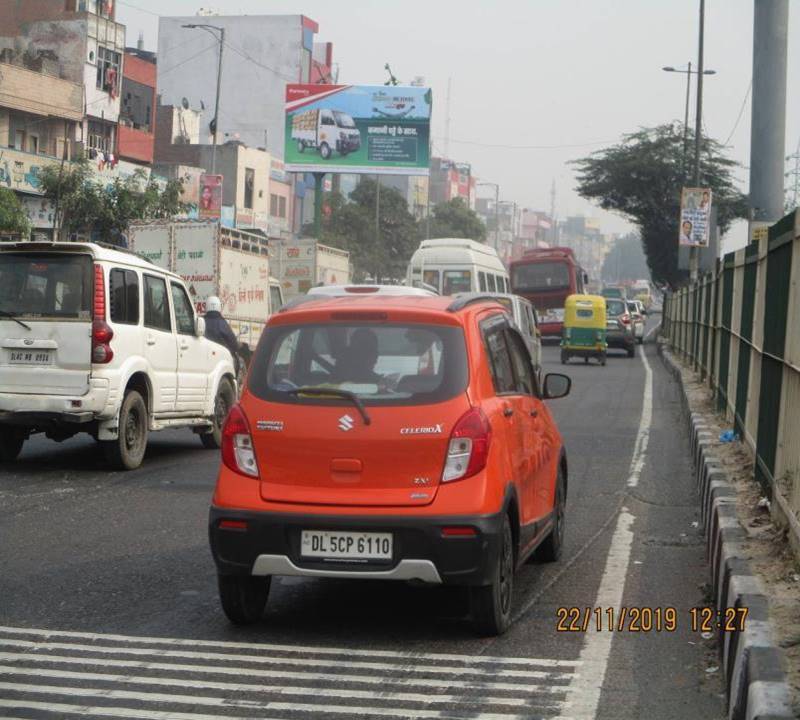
(5, 313)
(346, 394)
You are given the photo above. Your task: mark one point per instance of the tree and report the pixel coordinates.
(13, 218)
(454, 219)
(350, 225)
(625, 261)
(84, 204)
(641, 179)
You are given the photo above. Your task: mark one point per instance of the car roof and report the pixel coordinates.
(369, 289)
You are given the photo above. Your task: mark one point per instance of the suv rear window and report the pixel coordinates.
(386, 364)
(46, 285)
(615, 307)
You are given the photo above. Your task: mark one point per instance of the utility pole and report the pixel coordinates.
(686, 121)
(377, 224)
(446, 146)
(694, 252)
(553, 229)
(768, 125)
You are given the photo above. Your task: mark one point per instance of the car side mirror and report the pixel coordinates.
(556, 385)
(199, 326)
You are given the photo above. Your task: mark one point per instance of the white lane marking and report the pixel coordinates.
(251, 688)
(265, 660)
(583, 697)
(545, 686)
(645, 423)
(232, 704)
(304, 650)
(652, 331)
(106, 711)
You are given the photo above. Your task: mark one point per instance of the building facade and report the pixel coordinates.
(138, 107)
(449, 180)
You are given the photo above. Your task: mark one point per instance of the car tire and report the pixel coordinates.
(10, 446)
(631, 351)
(491, 604)
(222, 404)
(127, 451)
(640, 340)
(550, 549)
(564, 357)
(243, 597)
(603, 359)
(325, 151)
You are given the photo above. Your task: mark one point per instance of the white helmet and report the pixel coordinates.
(213, 304)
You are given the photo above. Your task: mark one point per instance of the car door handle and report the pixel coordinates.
(508, 411)
(184, 346)
(151, 340)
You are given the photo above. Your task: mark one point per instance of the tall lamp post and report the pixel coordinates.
(496, 209)
(213, 30)
(688, 72)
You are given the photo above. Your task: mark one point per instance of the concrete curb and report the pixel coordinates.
(753, 665)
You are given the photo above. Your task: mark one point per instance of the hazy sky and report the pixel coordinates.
(535, 72)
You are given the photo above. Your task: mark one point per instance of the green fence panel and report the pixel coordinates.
(725, 331)
(746, 332)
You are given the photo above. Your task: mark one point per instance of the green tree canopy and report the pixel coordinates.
(641, 179)
(454, 219)
(625, 261)
(350, 225)
(13, 218)
(87, 205)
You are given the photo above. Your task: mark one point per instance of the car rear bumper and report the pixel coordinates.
(270, 545)
(30, 410)
(617, 339)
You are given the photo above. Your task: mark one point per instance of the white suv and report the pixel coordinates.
(99, 340)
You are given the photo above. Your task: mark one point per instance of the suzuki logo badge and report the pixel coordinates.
(345, 423)
(28, 341)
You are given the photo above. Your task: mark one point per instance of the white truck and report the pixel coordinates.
(326, 130)
(305, 263)
(232, 264)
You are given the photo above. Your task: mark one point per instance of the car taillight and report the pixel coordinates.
(238, 453)
(101, 331)
(625, 319)
(468, 448)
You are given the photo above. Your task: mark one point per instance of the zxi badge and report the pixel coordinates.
(346, 423)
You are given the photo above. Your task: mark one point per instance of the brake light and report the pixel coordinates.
(238, 453)
(468, 449)
(101, 331)
(625, 319)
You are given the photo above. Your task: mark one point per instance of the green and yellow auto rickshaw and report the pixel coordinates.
(584, 333)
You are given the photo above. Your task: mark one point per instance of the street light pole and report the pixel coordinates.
(215, 122)
(694, 255)
(686, 120)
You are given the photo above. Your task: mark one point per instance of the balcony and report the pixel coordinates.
(38, 93)
(135, 144)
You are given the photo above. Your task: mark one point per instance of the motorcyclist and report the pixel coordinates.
(217, 328)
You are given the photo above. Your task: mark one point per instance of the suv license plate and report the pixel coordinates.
(346, 545)
(29, 357)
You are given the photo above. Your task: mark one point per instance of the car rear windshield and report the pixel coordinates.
(46, 285)
(615, 307)
(382, 364)
(540, 276)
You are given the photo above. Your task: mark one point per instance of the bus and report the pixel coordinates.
(455, 265)
(545, 277)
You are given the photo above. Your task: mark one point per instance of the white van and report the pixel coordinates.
(454, 265)
(102, 341)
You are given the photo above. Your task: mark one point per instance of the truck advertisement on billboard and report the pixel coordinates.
(372, 129)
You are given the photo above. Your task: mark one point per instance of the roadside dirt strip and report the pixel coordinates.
(753, 664)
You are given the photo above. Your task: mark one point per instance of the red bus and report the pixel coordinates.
(545, 277)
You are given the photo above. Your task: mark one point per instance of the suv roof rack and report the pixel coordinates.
(461, 301)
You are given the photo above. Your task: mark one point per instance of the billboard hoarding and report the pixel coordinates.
(210, 197)
(695, 215)
(371, 129)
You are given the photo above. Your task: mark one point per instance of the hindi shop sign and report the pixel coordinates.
(695, 217)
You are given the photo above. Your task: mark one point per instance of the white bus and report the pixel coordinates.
(455, 265)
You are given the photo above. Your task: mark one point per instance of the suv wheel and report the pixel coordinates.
(10, 446)
(491, 604)
(631, 351)
(222, 403)
(243, 597)
(564, 357)
(550, 549)
(127, 451)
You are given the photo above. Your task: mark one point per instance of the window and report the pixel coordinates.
(19, 140)
(542, 276)
(273, 205)
(108, 75)
(482, 281)
(615, 308)
(491, 282)
(501, 284)
(184, 314)
(156, 304)
(124, 293)
(456, 281)
(137, 102)
(327, 120)
(281, 206)
(249, 184)
(521, 360)
(500, 361)
(431, 277)
(99, 136)
(275, 299)
(386, 364)
(33, 144)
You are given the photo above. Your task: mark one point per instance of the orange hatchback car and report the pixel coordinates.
(399, 438)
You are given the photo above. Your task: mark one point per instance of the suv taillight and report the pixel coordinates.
(468, 448)
(625, 319)
(101, 332)
(238, 453)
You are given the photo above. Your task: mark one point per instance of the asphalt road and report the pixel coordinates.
(108, 600)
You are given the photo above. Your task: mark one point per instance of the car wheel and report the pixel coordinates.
(243, 597)
(222, 403)
(550, 549)
(603, 359)
(564, 357)
(325, 151)
(631, 351)
(640, 340)
(127, 451)
(491, 604)
(10, 446)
